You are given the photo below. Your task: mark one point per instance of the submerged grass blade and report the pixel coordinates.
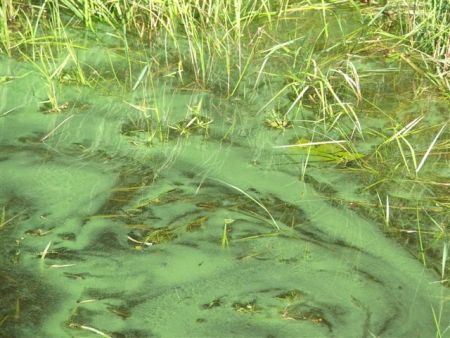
(309, 144)
(225, 241)
(4, 221)
(419, 235)
(437, 322)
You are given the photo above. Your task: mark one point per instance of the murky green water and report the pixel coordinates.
(212, 235)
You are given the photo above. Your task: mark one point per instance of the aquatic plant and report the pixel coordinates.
(318, 95)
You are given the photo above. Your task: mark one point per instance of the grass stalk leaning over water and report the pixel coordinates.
(274, 222)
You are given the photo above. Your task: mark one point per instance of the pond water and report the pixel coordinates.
(212, 229)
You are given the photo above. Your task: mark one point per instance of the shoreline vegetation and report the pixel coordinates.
(355, 63)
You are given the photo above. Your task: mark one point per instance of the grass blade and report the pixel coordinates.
(251, 198)
(430, 147)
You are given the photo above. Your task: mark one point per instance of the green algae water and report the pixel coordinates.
(219, 224)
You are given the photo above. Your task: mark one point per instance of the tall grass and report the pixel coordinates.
(423, 27)
(205, 35)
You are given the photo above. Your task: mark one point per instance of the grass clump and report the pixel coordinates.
(421, 30)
